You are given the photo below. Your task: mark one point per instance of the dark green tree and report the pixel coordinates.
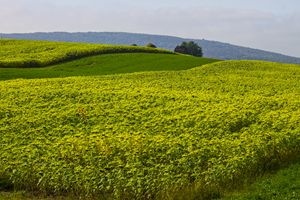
(190, 48)
(181, 49)
(150, 45)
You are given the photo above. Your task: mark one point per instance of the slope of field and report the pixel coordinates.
(109, 64)
(159, 135)
(26, 53)
(211, 49)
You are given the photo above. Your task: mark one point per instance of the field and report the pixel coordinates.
(26, 54)
(283, 185)
(150, 135)
(108, 64)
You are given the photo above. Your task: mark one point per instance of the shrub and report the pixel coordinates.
(151, 45)
(190, 48)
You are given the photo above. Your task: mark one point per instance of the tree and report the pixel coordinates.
(181, 49)
(190, 48)
(150, 45)
(134, 45)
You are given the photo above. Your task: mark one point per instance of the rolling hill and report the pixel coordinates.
(188, 134)
(212, 49)
(108, 64)
(65, 59)
(179, 127)
(28, 53)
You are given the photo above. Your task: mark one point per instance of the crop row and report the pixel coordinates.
(150, 135)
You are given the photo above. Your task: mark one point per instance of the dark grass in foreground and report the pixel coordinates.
(284, 185)
(23, 195)
(109, 64)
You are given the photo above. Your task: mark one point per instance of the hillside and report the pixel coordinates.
(109, 64)
(150, 135)
(27, 53)
(212, 49)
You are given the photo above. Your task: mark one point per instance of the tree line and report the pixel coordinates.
(189, 48)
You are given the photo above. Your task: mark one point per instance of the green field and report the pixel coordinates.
(189, 134)
(108, 64)
(27, 54)
(284, 185)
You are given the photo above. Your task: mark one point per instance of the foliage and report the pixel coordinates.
(150, 135)
(24, 54)
(150, 45)
(109, 64)
(190, 48)
(181, 49)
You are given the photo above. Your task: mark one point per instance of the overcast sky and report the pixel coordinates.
(265, 24)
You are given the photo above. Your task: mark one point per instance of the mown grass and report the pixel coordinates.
(283, 185)
(109, 64)
(187, 134)
(28, 54)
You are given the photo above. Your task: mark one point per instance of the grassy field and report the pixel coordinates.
(284, 185)
(28, 54)
(188, 134)
(109, 64)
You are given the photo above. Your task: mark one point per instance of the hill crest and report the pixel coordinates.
(212, 49)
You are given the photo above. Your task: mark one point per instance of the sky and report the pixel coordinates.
(272, 25)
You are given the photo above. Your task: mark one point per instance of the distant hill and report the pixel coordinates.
(212, 49)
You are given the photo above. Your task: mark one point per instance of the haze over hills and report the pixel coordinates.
(211, 49)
